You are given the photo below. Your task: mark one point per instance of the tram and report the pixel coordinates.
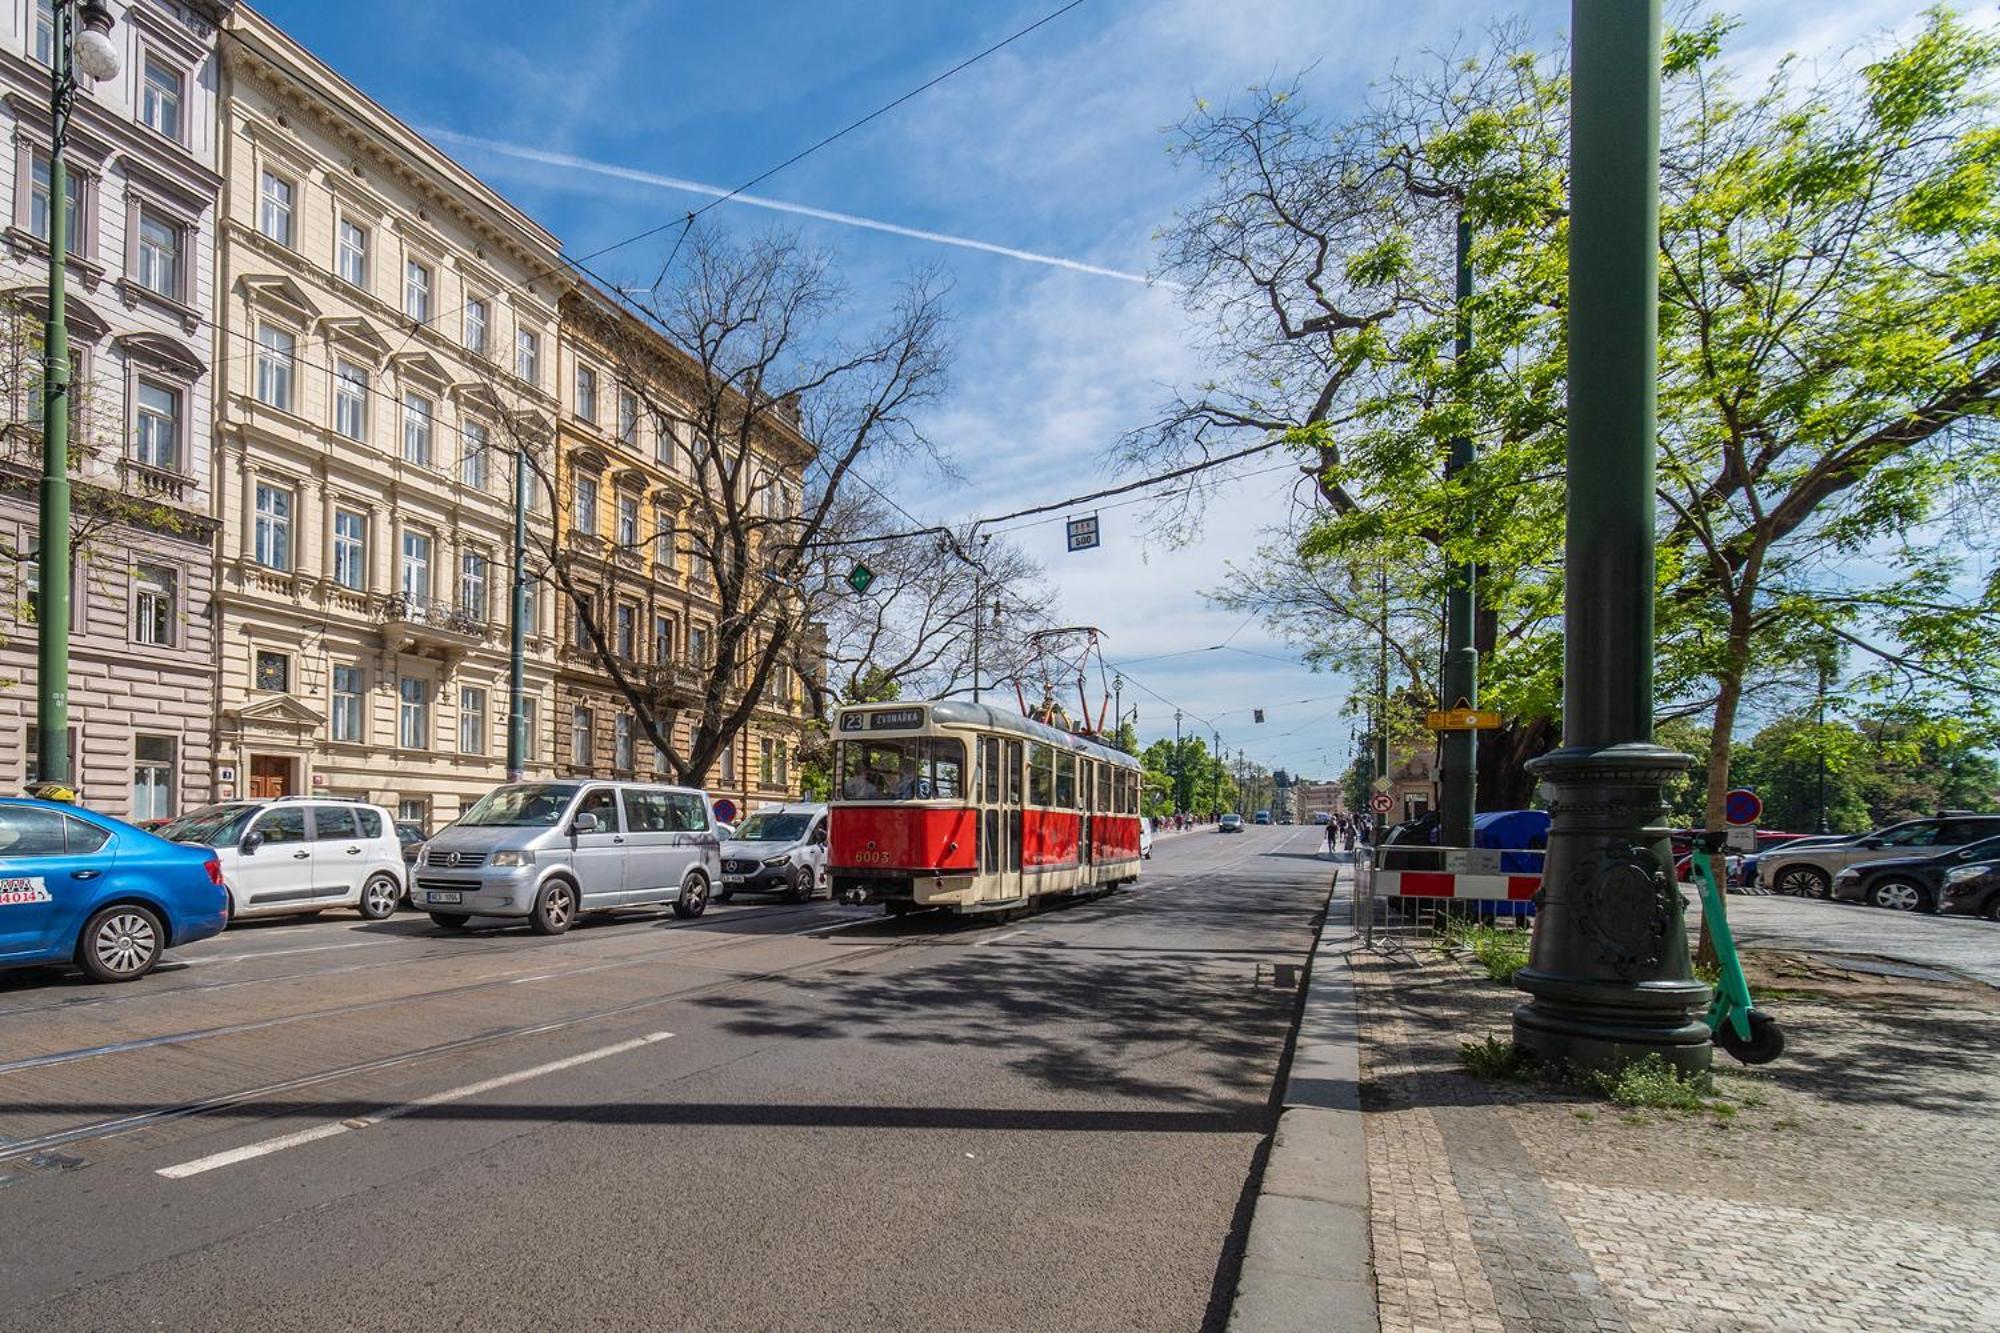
(975, 809)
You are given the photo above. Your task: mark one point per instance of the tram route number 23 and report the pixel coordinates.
(14, 891)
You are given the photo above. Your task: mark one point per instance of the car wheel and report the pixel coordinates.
(694, 897)
(555, 908)
(450, 920)
(1992, 909)
(1766, 1043)
(1898, 895)
(1802, 882)
(802, 885)
(120, 943)
(379, 897)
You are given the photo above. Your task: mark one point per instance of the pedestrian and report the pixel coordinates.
(1332, 837)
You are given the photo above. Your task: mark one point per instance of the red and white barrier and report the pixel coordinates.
(1457, 885)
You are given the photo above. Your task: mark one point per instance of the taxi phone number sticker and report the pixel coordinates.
(16, 891)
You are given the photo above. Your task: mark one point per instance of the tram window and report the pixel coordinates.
(1104, 788)
(1013, 772)
(918, 769)
(989, 768)
(1041, 774)
(1065, 782)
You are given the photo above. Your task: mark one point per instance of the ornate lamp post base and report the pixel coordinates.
(1610, 973)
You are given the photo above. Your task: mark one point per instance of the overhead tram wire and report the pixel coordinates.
(566, 262)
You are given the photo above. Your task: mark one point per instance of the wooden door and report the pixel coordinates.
(270, 776)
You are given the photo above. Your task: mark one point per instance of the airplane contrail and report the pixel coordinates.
(574, 163)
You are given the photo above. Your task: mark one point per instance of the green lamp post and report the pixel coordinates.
(91, 51)
(1608, 970)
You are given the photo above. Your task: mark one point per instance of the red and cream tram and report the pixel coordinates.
(975, 809)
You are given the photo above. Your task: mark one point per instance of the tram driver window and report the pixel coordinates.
(919, 769)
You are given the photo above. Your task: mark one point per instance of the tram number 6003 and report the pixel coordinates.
(872, 858)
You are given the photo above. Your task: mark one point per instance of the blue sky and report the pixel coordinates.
(1053, 146)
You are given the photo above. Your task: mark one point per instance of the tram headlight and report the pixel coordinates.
(784, 860)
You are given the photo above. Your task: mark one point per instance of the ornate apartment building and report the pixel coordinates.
(390, 327)
(630, 502)
(141, 208)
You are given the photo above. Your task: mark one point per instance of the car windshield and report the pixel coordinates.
(529, 805)
(773, 828)
(210, 826)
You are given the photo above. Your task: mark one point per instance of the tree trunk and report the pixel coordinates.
(1504, 781)
(1728, 695)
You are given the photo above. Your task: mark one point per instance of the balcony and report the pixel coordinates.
(430, 624)
(676, 683)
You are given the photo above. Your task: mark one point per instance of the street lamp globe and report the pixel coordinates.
(96, 53)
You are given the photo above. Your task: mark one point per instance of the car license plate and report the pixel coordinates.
(437, 896)
(732, 879)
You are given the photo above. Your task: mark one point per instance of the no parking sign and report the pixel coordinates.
(725, 810)
(1742, 806)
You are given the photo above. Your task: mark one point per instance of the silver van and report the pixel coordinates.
(550, 850)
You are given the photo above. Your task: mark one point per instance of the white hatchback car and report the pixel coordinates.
(300, 854)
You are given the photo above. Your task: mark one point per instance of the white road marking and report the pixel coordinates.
(266, 1147)
(995, 939)
(280, 953)
(835, 930)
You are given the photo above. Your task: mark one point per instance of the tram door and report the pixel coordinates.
(992, 847)
(1011, 780)
(1086, 785)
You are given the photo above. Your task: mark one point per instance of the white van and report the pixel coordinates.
(779, 849)
(550, 850)
(295, 854)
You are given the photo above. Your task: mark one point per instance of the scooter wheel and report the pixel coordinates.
(1765, 1044)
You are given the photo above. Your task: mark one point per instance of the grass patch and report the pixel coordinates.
(1655, 1085)
(1583, 1115)
(1501, 952)
(1492, 1058)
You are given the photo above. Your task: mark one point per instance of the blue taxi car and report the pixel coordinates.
(84, 888)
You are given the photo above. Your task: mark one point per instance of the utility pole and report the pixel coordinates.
(978, 591)
(1382, 692)
(1215, 787)
(517, 686)
(1180, 763)
(94, 51)
(1820, 746)
(1459, 775)
(1608, 970)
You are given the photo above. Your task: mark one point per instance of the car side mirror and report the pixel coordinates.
(250, 843)
(584, 823)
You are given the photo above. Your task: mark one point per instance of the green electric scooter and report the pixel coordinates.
(1734, 1023)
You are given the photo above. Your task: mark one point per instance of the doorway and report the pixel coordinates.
(270, 776)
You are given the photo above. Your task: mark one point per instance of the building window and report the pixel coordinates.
(728, 774)
(585, 517)
(417, 291)
(621, 743)
(38, 202)
(628, 522)
(628, 630)
(152, 777)
(274, 527)
(157, 439)
(417, 429)
(663, 541)
(416, 566)
(347, 697)
(528, 356)
(472, 584)
(159, 254)
(581, 725)
(628, 417)
(154, 603)
(475, 326)
(352, 258)
(784, 767)
(471, 720)
(475, 461)
(414, 810)
(698, 645)
(663, 638)
(275, 349)
(586, 609)
(45, 32)
(586, 393)
(160, 99)
(274, 670)
(413, 723)
(274, 208)
(530, 745)
(350, 400)
(350, 549)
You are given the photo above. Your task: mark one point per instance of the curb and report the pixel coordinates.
(1307, 1262)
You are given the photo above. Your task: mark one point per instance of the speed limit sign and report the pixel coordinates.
(1379, 803)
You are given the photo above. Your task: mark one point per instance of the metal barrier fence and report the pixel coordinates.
(1405, 893)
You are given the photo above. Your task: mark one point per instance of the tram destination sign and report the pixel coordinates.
(896, 719)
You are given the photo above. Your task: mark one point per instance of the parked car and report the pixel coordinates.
(292, 854)
(1229, 824)
(1807, 868)
(1909, 883)
(412, 837)
(1972, 890)
(548, 851)
(84, 888)
(1263, 816)
(779, 849)
(1146, 838)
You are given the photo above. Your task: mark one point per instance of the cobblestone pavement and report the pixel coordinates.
(1853, 1185)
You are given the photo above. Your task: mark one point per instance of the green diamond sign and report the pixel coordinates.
(860, 577)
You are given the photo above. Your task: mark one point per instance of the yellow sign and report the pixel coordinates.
(1462, 719)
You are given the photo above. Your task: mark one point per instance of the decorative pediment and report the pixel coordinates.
(282, 146)
(420, 365)
(589, 460)
(280, 710)
(670, 498)
(630, 479)
(159, 350)
(478, 395)
(355, 332)
(277, 292)
(84, 322)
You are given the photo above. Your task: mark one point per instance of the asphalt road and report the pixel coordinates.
(1964, 945)
(777, 1117)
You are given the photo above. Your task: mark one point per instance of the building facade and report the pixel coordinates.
(389, 326)
(140, 210)
(629, 503)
